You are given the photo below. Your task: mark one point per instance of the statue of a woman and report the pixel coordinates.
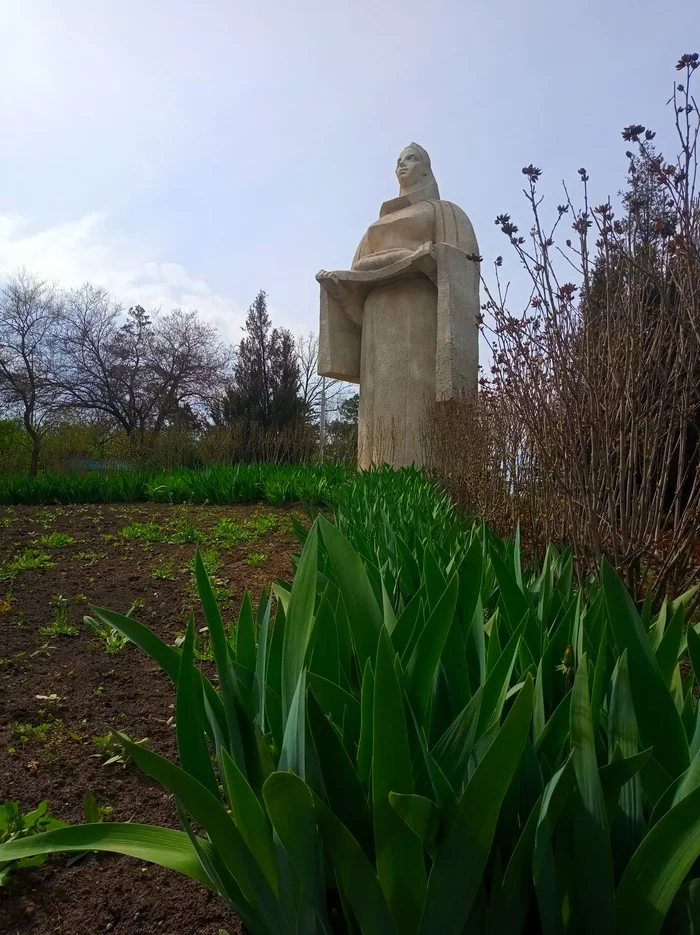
(403, 321)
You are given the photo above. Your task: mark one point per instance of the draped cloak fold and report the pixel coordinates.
(436, 288)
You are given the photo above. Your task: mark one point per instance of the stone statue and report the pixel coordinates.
(403, 322)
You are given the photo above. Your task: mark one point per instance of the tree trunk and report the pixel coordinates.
(36, 450)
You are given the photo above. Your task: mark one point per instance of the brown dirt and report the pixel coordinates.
(97, 692)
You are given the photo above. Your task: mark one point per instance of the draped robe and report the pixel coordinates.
(403, 322)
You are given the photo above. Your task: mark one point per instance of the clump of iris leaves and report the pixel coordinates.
(425, 734)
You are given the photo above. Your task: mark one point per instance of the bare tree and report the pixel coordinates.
(311, 384)
(140, 371)
(30, 312)
(189, 361)
(101, 359)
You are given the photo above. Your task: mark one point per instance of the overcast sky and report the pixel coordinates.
(192, 152)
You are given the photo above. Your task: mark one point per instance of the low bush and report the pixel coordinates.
(587, 429)
(429, 738)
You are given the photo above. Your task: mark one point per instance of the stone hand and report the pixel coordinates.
(326, 274)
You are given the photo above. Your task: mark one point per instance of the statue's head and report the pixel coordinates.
(413, 169)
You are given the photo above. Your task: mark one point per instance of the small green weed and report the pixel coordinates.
(28, 560)
(60, 625)
(185, 531)
(262, 524)
(47, 732)
(56, 540)
(113, 641)
(112, 746)
(14, 825)
(94, 813)
(220, 590)
(256, 559)
(227, 533)
(143, 532)
(164, 571)
(6, 601)
(90, 558)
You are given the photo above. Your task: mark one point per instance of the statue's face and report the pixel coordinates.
(409, 168)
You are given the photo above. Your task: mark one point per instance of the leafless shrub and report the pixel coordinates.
(480, 472)
(250, 441)
(596, 383)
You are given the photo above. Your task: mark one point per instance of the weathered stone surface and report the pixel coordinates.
(403, 321)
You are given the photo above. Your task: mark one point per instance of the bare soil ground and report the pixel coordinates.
(47, 750)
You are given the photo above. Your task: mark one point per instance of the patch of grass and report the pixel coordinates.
(256, 559)
(47, 732)
(184, 530)
(143, 532)
(27, 561)
(5, 520)
(227, 533)
(222, 592)
(56, 540)
(164, 571)
(262, 524)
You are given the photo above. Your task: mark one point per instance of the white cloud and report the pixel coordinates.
(88, 249)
